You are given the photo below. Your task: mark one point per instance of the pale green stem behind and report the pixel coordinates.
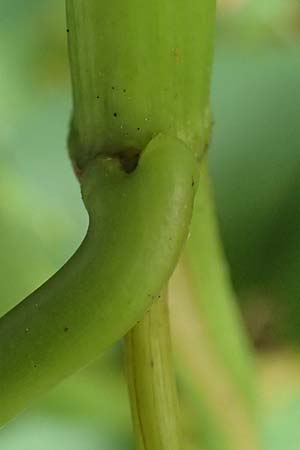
(210, 339)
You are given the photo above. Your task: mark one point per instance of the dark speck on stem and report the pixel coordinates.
(115, 114)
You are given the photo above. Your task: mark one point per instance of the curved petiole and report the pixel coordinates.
(138, 224)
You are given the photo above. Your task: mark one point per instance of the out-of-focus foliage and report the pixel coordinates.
(255, 165)
(255, 160)
(256, 22)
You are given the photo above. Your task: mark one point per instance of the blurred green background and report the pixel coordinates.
(255, 165)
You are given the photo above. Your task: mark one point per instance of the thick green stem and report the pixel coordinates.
(213, 350)
(138, 69)
(151, 382)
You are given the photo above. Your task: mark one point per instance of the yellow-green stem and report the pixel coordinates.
(151, 382)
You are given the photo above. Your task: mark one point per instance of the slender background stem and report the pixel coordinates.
(214, 352)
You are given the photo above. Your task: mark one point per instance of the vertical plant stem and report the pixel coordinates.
(151, 381)
(140, 69)
(214, 353)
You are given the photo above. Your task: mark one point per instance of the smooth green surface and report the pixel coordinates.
(138, 69)
(108, 284)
